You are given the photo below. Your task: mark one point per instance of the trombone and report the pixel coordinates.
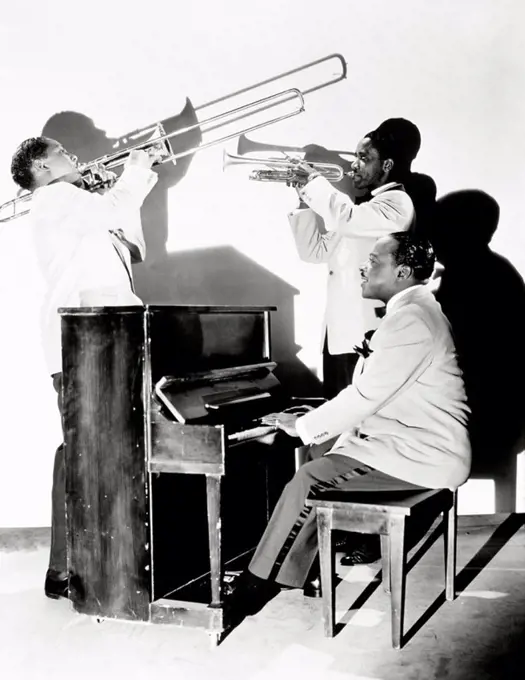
(279, 170)
(91, 171)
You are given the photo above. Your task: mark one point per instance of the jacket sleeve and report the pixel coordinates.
(386, 212)
(314, 244)
(402, 348)
(116, 208)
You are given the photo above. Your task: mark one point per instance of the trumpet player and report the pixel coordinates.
(85, 243)
(329, 227)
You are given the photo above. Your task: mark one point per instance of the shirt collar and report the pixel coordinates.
(385, 187)
(395, 298)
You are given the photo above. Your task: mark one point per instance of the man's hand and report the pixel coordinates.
(302, 172)
(98, 177)
(157, 152)
(303, 169)
(140, 158)
(284, 421)
(313, 153)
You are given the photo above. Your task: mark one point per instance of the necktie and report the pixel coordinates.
(118, 239)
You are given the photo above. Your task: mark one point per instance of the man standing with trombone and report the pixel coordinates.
(85, 243)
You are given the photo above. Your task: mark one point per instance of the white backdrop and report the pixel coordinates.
(456, 69)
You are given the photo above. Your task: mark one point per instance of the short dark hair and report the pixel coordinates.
(415, 253)
(405, 132)
(22, 162)
(398, 139)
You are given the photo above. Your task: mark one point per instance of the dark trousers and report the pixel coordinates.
(289, 545)
(338, 370)
(58, 555)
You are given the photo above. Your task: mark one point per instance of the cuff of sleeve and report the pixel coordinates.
(309, 191)
(300, 426)
(296, 211)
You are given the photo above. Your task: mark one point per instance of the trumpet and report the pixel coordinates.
(286, 171)
(95, 179)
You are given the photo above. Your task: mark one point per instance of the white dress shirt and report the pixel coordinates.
(77, 251)
(340, 234)
(407, 397)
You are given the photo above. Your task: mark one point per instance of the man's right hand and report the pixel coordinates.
(139, 158)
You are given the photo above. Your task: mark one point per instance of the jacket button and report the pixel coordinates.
(331, 272)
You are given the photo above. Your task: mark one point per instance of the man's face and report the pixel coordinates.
(367, 168)
(380, 275)
(60, 164)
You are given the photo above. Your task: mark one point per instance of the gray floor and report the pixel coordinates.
(480, 635)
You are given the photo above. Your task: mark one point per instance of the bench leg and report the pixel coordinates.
(450, 540)
(397, 578)
(385, 562)
(327, 563)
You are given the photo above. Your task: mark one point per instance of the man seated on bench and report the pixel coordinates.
(401, 425)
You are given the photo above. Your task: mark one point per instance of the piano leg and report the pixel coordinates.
(213, 498)
(215, 639)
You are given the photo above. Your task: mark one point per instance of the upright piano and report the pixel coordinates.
(170, 475)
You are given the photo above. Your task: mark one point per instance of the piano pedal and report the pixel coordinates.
(228, 581)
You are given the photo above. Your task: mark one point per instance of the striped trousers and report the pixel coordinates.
(289, 546)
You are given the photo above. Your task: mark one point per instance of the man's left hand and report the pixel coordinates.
(284, 421)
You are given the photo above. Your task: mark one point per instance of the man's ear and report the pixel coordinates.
(40, 164)
(404, 272)
(388, 165)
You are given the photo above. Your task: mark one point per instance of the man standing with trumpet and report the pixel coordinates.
(85, 242)
(331, 227)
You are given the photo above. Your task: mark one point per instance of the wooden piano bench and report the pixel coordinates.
(383, 513)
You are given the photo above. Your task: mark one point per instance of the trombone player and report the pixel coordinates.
(338, 229)
(85, 243)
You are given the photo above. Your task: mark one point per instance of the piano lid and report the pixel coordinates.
(213, 394)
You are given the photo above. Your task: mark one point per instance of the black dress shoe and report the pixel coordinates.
(248, 594)
(55, 586)
(366, 552)
(77, 593)
(313, 588)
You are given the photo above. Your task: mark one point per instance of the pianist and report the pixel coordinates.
(84, 244)
(402, 424)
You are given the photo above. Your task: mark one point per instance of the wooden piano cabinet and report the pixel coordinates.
(106, 473)
(156, 509)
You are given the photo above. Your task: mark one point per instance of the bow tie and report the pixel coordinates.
(364, 349)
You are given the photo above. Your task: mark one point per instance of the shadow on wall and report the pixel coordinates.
(212, 276)
(422, 190)
(483, 296)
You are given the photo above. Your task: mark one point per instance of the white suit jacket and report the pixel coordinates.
(77, 252)
(407, 397)
(337, 232)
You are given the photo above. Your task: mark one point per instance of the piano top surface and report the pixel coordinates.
(153, 309)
